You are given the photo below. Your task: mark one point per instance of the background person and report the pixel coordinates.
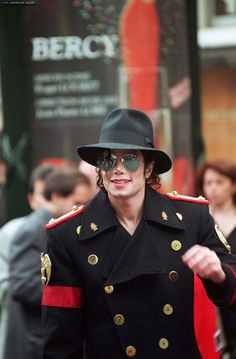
(62, 191)
(217, 181)
(8, 232)
(121, 280)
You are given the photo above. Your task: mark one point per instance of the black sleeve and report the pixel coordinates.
(221, 294)
(63, 314)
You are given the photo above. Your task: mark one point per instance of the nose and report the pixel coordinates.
(119, 165)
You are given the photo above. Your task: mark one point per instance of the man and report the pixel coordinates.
(121, 271)
(62, 191)
(11, 322)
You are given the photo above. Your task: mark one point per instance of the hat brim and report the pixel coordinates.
(90, 153)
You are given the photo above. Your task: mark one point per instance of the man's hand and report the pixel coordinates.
(205, 263)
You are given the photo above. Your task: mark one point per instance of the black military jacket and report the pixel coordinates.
(114, 296)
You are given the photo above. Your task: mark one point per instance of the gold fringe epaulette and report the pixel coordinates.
(177, 197)
(54, 222)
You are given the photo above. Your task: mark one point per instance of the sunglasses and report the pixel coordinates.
(130, 161)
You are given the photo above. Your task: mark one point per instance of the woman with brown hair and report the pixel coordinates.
(217, 182)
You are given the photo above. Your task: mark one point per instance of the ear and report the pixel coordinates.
(149, 169)
(55, 196)
(30, 199)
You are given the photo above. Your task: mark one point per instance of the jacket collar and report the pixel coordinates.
(100, 216)
(97, 217)
(158, 209)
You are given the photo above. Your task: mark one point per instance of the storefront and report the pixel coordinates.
(74, 61)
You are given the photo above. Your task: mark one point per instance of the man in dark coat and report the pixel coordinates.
(62, 190)
(120, 273)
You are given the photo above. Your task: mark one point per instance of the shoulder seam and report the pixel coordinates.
(176, 197)
(55, 222)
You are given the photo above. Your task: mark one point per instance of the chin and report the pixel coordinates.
(120, 194)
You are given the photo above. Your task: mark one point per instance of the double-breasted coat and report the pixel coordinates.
(112, 295)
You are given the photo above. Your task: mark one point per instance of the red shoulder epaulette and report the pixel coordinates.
(54, 222)
(176, 197)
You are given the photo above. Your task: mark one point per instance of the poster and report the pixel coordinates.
(87, 57)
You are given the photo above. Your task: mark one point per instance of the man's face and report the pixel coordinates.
(80, 195)
(123, 183)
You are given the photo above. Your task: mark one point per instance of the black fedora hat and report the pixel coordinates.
(126, 129)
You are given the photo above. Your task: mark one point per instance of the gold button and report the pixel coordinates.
(163, 343)
(92, 259)
(173, 276)
(201, 198)
(179, 215)
(168, 309)
(78, 230)
(130, 351)
(52, 220)
(119, 319)
(109, 289)
(176, 245)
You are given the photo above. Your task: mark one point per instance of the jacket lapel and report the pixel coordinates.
(97, 218)
(158, 209)
(137, 257)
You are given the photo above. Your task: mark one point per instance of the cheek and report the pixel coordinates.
(231, 190)
(206, 189)
(105, 178)
(71, 202)
(39, 198)
(140, 176)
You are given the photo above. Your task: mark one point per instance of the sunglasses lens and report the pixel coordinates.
(106, 164)
(131, 163)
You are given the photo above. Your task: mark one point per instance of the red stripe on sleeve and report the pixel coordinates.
(58, 296)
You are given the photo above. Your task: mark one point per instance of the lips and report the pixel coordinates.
(120, 181)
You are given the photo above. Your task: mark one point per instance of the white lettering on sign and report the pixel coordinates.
(73, 47)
